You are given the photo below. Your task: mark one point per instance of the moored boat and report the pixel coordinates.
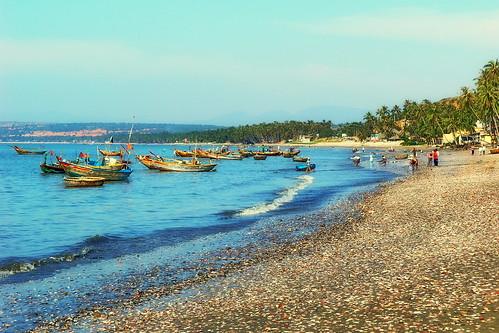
(79, 170)
(291, 153)
(300, 159)
(268, 153)
(110, 152)
(183, 153)
(22, 151)
(174, 165)
(83, 181)
(51, 168)
(260, 157)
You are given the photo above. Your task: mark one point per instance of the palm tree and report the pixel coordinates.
(487, 92)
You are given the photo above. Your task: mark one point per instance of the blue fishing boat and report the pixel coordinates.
(305, 167)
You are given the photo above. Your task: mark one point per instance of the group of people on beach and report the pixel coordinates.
(481, 150)
(433, 156)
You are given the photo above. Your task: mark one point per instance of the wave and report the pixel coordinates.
(24, 267)
(284, 197)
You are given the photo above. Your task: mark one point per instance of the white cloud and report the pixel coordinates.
(473, 28)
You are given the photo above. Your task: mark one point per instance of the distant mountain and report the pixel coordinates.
(24, 131)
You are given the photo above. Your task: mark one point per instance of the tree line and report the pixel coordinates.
(413, 122)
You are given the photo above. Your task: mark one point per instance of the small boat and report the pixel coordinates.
(401, 156)
(80, 170)
(305, 167)
(291, 153)
(51, 167)
(83, 181)
(182, 153)
(173, 165)
(110, 153)
(268, 153)
(246, 153)
(259, 157)
(300, 159)
(494, 150)
(22, 151)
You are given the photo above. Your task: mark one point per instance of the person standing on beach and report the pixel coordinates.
(414, 154)
(435, 157)
(473, 150)
(430, 159)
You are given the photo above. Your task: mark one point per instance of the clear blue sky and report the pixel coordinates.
(231, 62)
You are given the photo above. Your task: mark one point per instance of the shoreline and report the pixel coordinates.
(364, 271)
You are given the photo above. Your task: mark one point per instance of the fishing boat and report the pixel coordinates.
(401, 156)
(22, 151)
(51, 167)
(183, 153)
(260, 157)
(291, 153)
(305, 167)
(494, 150)
(268, 153)
(83, 181)
(80, 170)
(111, 153)
(300, 159)
(246, 153)
(174, 165)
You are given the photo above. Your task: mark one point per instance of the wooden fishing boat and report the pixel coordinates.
(183, 153)
(494, 150)
(80, 170)
(300, 159)
(246, 153)
(110, 152)
(260, 157)
(174, 165)
(305, 167)
(268, 153)
(289, 154)
(401, 156)
(83, 181)
(51, 167)
(22, 151)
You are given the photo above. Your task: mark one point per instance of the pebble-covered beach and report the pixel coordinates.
(421, 254)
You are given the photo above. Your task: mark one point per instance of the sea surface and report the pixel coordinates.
(61, 248)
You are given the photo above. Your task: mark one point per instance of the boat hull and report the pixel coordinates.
(22, 151)
(494, 150)
(175, 165)
(300, 159)
(260, 157)
(111, 153)
(51, 168)
(77, 170)
(83, 181)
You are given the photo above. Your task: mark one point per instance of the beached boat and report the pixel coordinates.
(83, 181)
(494, 150)
(174, 165)
(401, 156)
(260, 157)
(305, 167)
(22, 151)
(300, 159)
(80, 170)
(110, 152)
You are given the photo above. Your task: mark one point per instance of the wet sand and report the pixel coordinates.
(421, 254)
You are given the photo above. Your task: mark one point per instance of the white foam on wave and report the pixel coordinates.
(284, 197)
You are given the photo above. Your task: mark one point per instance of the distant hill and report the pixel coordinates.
(24, 131)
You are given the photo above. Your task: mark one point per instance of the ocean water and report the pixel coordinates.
(64, 249)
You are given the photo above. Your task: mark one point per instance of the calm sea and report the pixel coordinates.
(61, 248)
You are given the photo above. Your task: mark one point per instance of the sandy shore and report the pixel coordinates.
(418, 255)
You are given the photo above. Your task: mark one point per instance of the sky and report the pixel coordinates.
(235, 62)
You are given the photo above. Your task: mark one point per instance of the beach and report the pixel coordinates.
(419, 254)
